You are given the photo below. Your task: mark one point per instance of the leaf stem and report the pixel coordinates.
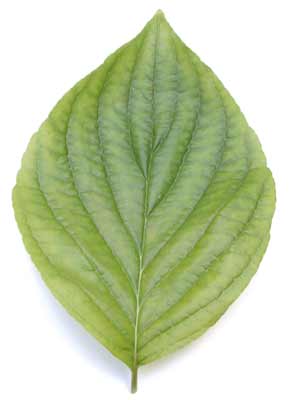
(134, 381)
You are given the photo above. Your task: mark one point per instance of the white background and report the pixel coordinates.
(47, 46)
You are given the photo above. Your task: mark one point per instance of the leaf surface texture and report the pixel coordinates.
(144, 199)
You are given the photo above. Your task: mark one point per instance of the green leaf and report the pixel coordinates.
(144, 199)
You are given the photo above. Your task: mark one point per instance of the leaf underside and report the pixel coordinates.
(144, 199)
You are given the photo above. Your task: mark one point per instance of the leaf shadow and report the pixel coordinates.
(76, 336)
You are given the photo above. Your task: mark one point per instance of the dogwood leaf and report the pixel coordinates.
(144, 199)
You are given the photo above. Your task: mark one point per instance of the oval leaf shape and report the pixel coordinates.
(144, 199)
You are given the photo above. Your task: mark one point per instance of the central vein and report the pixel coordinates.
(146, 212)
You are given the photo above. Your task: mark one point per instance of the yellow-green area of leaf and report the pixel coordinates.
(144, 199)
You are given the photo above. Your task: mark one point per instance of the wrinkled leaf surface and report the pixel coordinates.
(144, 199)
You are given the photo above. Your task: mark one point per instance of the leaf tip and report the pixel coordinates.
(159, 15)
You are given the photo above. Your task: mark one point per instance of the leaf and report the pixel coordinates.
(144, 199)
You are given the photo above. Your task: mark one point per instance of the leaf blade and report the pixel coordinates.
(145, 202)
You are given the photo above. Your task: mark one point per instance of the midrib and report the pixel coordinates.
(145, 222)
